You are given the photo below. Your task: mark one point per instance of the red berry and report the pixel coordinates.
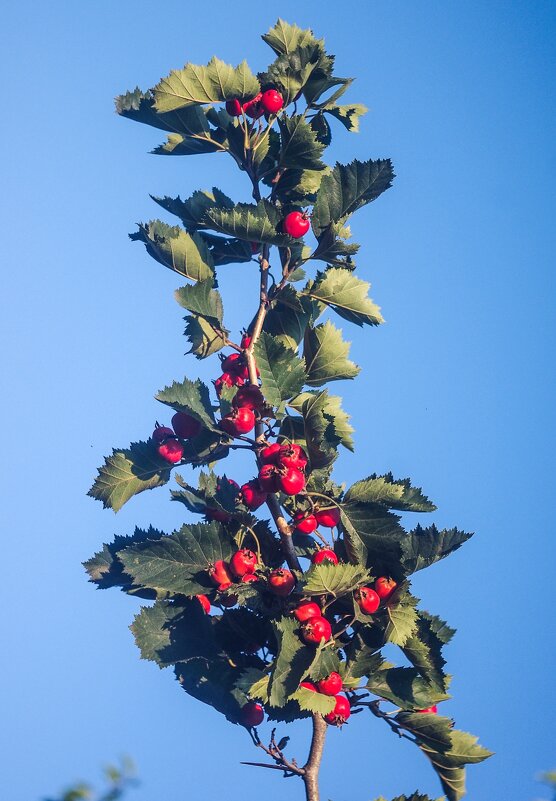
(384, 587)
(281, 581)
(233, 107)
(296, 224)
(227, 600)
(268, 478)
(243, 562)
(162, 432)
(316, 629)
(269, 455)
(367, 599)
(308, 686)
(255, 247)
(340, 713)
(253, 108)
(432, 710)
(249, 397)
(304, 522)
(291, 481)
(272, 101)
(205, 603)
(246, 339)
(292, 456)
(217, 514)
(249, 577)
(251, 714)
(225, 380)
(328, 517)
(171, 450)
(232, 363)
(238, 421)
(306, 610)
(185, 426)
(220, 574)
(324, 555)
(252, 495)
(331, 685)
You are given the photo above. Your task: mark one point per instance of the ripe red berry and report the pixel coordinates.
(331, 685)
(249, 577)
(316, 629)
(253, 108)
(233, 107)
(162, 432)
(296, 224)
(340, 713)
(205, 603)
(185, 426)
(225, 380)
(238, 421)
(367, 599)
(220, 574)
(324, 555)
(292, 455)
(308, 686)
(171, 450)
(291, 481)
(243, 562)
(249, 397)
(304, 523)
(432, 710)
(251, 714)
(306, 610)
(269, 455)
(328, 517)
(281, 582)
(384, 587)
(272, 101)
(252, 495)
(246, 339)
(232, 363)
(268, 478)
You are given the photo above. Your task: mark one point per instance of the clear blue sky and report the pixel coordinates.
(457, 390)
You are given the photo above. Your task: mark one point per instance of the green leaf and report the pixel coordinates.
(225, 250)
(404, 687)
(424, 648)
(449, 764)
(289, 317)
(203, 301)
(192, 210)
(348, 188)
(105, 568)
(127, 472)
(314, 429)
(348, 115)
(166, 633)
(214, 683)
(326, 354)
(204, 339)
(294, 71)
(285, 38)
(401, 617)
(310, 701)
(335, 580)
(346, 294)
(191, 397)
(413, 797)
(282, 372)
(326, 661)
(178, 145)
(249, 222)
(372, 536)
(425, 546)
(292, 661)
(139, 106)
(186, 254)
(300, 146)
(389, 492)
(178, 563)
(432, 730)
(332, 411)
(333, 247)
(215, 83)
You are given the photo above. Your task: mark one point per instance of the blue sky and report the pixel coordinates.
(457, 389)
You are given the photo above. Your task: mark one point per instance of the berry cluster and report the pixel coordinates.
(169, 441)
(268, 102)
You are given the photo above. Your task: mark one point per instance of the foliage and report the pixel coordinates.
(118, 779)
(251, 647)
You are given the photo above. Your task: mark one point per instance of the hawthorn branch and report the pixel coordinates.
(289, 767)
(311, 770)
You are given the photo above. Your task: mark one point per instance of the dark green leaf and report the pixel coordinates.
(282, 372)
(105, 568)
(178, 563)
(127, 472)
(432, 730)
(285, 38)
(335, 580)
(225, 250)
(424, 648)
(372, 536)
(405, 688)
(346, 294)
(186, 254)
(326, 354)
(310, 701)
(249, 222)
(401, 617)
(213, 682)
(300, 146)
(178, 145)
(191, 397)
(425, 546)
(203, 301)
(348, 115)
(333, 412)
(292, 662)
(204, 339)
(192, 210)
(139, 106)
(389, 492)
